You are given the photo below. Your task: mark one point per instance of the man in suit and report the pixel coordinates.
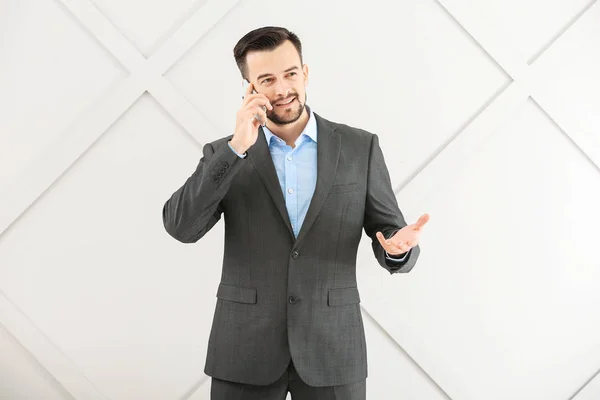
(296, 191)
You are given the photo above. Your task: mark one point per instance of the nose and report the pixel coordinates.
(281, 89)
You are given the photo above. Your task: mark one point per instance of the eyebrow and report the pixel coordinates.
(265, 75)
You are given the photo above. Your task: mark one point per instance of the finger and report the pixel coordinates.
(262, 115)
(249, 89)
(257, 114)
(258, 100)
(251, 117)
(247, 93)
(384, 243)
(412, 243)
(256, 122)
(421, 222)
(250, 94)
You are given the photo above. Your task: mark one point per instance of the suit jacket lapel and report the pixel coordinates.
(328, 153)
(260, 156)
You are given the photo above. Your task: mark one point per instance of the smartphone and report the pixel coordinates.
(245, 84)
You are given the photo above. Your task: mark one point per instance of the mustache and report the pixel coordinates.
(291, 95)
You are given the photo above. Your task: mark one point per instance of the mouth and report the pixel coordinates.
(285, 103)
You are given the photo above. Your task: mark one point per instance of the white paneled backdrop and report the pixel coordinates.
(488, 116)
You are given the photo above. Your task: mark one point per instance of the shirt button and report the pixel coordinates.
(290, 191)
(289, 158)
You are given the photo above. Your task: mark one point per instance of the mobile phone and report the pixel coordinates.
(257, 117)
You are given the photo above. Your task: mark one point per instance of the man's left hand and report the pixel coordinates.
(405, 239)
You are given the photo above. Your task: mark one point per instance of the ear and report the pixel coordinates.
(305, 73)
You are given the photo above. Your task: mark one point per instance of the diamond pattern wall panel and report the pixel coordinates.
(528, 27)
(500, 305)
(47, 80)
(93, 268)
(360, 79)
(392, 373)
(590, 391)
(567, 83)
(147, 24)
(24, 378)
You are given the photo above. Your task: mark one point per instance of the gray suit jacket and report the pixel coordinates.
(282, 297)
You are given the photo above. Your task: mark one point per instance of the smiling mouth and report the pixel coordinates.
(285, 103)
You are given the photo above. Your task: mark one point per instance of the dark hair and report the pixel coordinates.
(262, 39)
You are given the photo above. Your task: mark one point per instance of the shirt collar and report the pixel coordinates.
(310, 130)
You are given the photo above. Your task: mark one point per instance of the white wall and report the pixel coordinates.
(487, 114)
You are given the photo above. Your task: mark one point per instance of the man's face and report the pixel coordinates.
(279, 75)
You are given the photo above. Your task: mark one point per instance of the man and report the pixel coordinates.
(296, 191)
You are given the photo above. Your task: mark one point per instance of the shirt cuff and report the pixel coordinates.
(232, 149)
(396, 258)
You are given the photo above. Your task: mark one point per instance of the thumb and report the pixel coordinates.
(421, 222)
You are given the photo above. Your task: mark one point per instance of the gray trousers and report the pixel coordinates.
(289, 382)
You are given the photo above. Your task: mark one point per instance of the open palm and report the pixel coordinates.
(405, 239)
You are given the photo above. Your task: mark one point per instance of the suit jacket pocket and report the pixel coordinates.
(343, 296)
(344, 188)
(236, 294)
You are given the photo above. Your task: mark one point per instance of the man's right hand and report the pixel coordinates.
(246, 128)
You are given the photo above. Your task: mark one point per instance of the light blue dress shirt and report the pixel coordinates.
(297, 172)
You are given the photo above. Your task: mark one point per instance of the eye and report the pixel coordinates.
(293, 73)
(268, 80)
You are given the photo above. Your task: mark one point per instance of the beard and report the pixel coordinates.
(287, 116)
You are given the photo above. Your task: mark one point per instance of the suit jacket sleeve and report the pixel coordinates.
(382, 213)
(196, 206)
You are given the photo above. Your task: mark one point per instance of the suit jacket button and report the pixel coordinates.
(295, 254)
(292, 300)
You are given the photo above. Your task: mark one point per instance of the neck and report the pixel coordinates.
(290, 132)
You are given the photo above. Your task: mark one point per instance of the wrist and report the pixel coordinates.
(237, 147)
